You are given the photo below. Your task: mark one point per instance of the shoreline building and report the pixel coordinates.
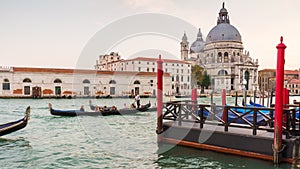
(19, 82)
(179, 70)
(267, 80)
(222, 56)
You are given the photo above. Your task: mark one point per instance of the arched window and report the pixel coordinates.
(86, 88)
(112, 82)
(5, 84)
(26, 80)
(136, 82)
(226, 57)
(222, 72)
(86, 81)
(57, 81)
(26, 88)
(219, 57)
(247, 75)
(57, 87)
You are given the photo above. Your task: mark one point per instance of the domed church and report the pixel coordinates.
(222, 56)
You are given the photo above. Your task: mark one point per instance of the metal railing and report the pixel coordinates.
(255, 118)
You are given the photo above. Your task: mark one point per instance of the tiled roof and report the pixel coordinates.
(291, 72)
(294, 81)
(285, 71)
(81, 71)
(155, 59)
(268, 70)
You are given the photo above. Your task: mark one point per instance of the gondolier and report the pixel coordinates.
(137, 98)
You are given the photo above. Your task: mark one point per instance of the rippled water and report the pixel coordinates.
(127, 141)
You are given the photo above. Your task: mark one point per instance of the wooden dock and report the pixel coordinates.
(203, 127)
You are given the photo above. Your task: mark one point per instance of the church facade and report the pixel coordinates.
(222, 56)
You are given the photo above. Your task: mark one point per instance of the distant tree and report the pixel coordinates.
(200, 78)
(197, 75)
(206, 80)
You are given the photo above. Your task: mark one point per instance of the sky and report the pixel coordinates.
(65, 33)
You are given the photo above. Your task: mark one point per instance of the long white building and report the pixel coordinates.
(52, 82)
(180, 71)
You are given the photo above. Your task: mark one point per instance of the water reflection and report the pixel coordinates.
(14, 142)
(170, 156)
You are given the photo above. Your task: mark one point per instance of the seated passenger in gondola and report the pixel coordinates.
(132, 105)
(113, 108)
(97, 109)
(82, 108)
(105, 108)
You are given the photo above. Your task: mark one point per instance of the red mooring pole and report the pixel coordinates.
(159, 98)
(279, 102)
(194, 96)
(224, 104)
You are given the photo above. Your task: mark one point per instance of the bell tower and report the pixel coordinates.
(184, 47)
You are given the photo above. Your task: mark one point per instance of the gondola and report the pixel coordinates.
(255, 104)
(102, 112)
(247, 114)
(182, 96)
(15, 125)
(146, 107)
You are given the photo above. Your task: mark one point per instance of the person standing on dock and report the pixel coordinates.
(137, 98)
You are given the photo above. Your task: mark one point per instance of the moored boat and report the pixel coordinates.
(142, 108)
(102, 111)
(182, 96)
(15, 125)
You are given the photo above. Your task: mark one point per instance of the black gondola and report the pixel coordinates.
(146, 107)
(182, 96)
(102, 112)
(15, 125)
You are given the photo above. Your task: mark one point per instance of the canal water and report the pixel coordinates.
(127, 141)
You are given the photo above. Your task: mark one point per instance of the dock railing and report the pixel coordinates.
(255, 118)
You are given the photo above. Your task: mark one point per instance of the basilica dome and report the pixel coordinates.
(223, 32)
(198, 45)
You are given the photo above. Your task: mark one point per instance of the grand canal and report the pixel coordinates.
(100, 142)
